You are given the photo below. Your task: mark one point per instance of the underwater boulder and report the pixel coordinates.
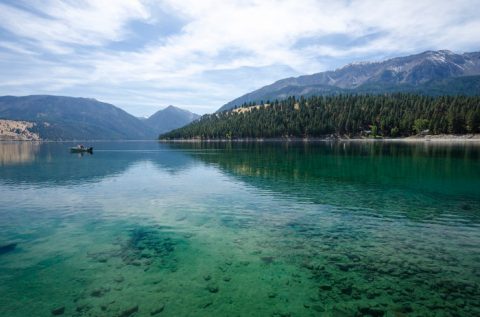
(9, 247)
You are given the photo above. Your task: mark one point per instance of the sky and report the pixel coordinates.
(199, 54)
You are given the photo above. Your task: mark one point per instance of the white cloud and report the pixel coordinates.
(222, 36)
(87, 22)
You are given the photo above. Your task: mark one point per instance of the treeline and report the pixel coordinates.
(393, 115)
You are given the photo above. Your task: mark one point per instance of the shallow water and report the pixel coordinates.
(321, 229)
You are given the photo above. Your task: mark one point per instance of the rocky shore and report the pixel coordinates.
(11, 130)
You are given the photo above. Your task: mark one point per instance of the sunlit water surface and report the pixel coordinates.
(321, 229)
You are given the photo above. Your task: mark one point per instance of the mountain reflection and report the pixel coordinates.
(420, 179)
(52, 164)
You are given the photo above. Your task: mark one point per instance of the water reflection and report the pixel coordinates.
(422, 180)
(12, 153)
(419, 179)
(52, 164)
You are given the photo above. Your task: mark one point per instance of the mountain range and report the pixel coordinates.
(69, 118)
(432, 73)
(66, 118)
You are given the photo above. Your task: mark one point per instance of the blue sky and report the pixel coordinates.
(145, 55)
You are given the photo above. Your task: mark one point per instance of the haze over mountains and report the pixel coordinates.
(68, 118)
(431, 72)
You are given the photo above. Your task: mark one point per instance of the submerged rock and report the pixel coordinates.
(102, 259)
(374, 312)
(227, 278)
(466, 207)
(206, 304)
(129, 311)
(119, 279)
(325, 287)
(343, 312)
(353, 257)
(136, 263)
(99, 292)
(83, 308)
(212, 288)
(345, 267)
(9, 247)
(347, 290)
(308, 265)
(157, 310)
(58, 311)
(406, 309)
(372, 294)
(267, 259)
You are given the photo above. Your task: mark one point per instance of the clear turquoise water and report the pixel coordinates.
(321, 229)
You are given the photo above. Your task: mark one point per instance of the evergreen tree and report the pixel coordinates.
(392, 115)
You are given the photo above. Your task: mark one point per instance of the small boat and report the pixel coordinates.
(81, 149)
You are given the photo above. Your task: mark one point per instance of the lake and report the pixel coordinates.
(247, 229)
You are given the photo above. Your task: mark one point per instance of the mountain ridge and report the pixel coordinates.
(419, 73)
(75, 118)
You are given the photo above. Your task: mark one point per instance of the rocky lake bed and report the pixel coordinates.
(262, 239)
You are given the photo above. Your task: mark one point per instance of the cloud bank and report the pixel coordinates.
(145, 55)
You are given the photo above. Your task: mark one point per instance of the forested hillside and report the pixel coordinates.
(395, 115)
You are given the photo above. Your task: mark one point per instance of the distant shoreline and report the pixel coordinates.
(426, 138)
